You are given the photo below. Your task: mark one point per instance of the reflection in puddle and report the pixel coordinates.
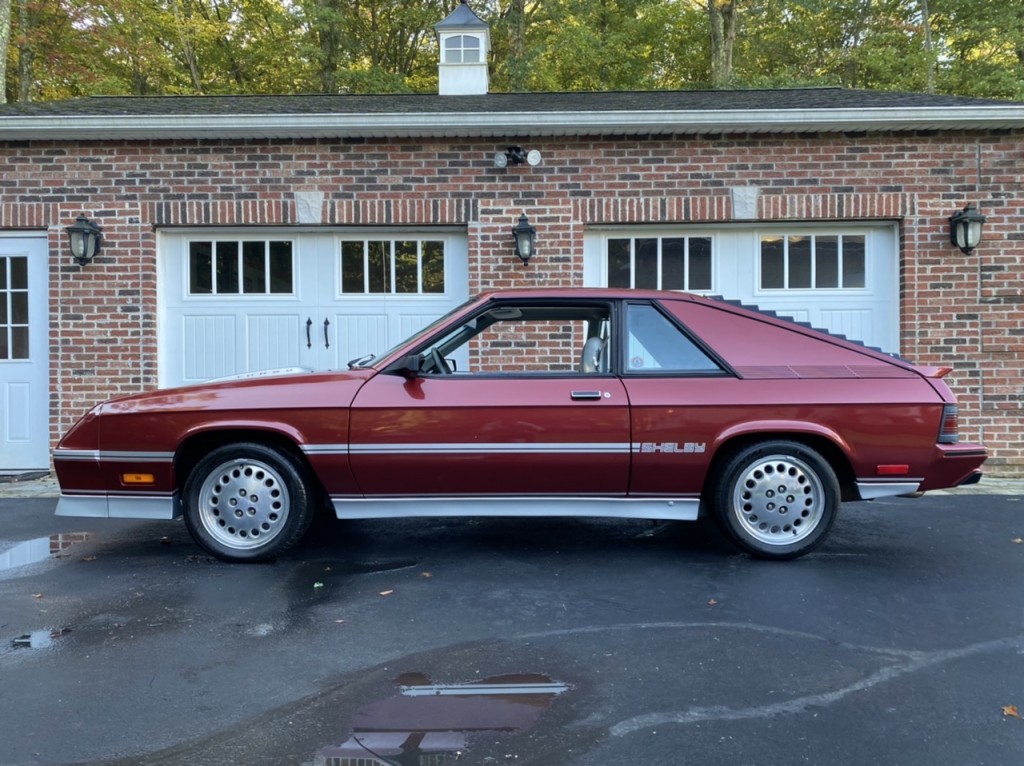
(39, 639)
(40, 549)
(429, 723)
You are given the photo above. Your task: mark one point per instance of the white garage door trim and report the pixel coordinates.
(273, 298)
(869, 314)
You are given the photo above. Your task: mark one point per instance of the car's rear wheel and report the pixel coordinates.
(776, 499)
(247, 502)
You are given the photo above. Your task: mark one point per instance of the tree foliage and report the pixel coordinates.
(66, 48)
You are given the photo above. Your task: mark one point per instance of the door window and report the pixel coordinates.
(532, 340)
(14, 308)
(392, 267)
(812, 261)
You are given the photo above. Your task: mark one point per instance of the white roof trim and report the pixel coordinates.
(472, 124)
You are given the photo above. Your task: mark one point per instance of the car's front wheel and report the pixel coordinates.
(776, 499)
(247, 502)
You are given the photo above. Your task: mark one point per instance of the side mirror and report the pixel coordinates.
(409, 367)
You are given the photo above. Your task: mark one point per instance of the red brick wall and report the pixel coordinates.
(956, 309)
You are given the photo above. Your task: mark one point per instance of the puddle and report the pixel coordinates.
(40, 549)
(431, 723)
(40, 639)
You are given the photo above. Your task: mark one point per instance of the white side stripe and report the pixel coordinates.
(473, 448)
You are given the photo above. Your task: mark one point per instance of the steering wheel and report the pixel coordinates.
(438, 364)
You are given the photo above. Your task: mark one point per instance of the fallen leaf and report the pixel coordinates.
(386, 592)
(426, 574)
(88, 558)
(339, 621)
(317, 585)
(37, 595)
(712, 602)
(1010, 711)
(1018, 540)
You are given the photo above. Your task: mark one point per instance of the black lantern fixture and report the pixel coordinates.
(85, 237)
(526, 237)
(965, 228)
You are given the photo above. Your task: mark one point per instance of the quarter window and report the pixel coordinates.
(240, 267)
(392, 267)
(665, 263)
(654, 343)
(812, 261)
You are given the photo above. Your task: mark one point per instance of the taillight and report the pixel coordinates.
(949, 428)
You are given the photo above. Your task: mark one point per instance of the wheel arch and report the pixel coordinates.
(192, 449)
(823, 444)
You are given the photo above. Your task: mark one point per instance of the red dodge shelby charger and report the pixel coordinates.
(582, 402)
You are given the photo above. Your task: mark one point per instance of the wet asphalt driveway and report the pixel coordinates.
(494, 641)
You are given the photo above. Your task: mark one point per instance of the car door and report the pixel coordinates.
(520, 415)
(680, 397)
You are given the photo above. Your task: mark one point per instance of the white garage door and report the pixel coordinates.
(244, 302)
(840, 278)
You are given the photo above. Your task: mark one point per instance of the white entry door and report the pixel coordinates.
(24, 354)
(238, 303)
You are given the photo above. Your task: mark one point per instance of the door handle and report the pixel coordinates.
(309, 338)
(327, 342)
(586, 394)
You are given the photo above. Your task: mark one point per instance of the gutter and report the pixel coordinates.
(504, 124)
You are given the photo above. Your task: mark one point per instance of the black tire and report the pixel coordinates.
(776, 499)
(247, 502)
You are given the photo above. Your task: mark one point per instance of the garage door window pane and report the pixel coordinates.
(200, 268)
(699, 260)
(645, 269)
(281, 279)
(378, 264)
(433, 267)
(254, 267)
(227, 267)
(353, 269)
(799, 262)
(773, 263)
(826, 262)
(406, 268)
(853, 261)
(619, 270)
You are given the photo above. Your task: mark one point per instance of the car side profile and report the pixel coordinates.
(570, 402)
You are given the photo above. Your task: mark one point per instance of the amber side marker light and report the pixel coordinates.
(138, 478)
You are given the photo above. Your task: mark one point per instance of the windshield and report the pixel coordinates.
(368, 359)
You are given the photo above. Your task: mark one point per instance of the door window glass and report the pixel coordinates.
(14, 307)
(535, 340)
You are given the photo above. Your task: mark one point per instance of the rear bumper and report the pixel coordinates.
(955, 465)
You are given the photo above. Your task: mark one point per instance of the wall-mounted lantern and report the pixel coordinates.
(526, 238)
(965, 228)
(85, 238)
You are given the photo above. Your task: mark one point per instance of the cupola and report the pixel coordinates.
(464, 40)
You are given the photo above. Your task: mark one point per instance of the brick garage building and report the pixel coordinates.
(255, 232)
